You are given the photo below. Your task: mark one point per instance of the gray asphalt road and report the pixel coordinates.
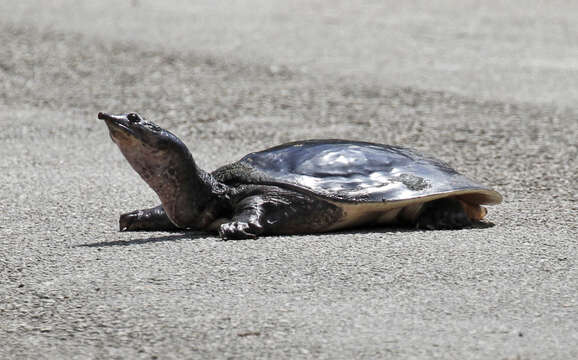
(489, 88)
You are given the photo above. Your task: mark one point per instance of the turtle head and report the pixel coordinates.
(165, 163)
(132, 130)
(155, 153)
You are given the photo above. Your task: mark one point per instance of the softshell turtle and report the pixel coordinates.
(300, 187)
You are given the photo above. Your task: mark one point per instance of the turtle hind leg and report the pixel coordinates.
(153, 219)
(446, 213)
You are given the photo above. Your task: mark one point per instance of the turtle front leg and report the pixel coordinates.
(247, 222)
(153, 219)
(276, 211)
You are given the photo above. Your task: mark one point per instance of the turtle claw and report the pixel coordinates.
(238, 230)
(127, 221)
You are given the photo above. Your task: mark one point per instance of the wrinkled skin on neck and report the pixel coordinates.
(191, 197)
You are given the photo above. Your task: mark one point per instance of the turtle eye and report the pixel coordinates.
(133, 118)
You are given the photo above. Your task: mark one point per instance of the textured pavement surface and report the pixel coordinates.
(491, 88)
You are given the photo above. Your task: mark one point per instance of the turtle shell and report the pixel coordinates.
(354, 171)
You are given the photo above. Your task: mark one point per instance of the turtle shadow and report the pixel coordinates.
(482, 225)
(196, 235)
(396, 230)
(152, 239)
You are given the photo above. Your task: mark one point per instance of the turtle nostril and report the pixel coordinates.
(133, 118)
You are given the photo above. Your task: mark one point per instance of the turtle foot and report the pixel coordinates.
(443, 214)
(239, 230)
(153, 219)
(129, 221)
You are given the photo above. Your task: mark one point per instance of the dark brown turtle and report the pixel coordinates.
(300, 187)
